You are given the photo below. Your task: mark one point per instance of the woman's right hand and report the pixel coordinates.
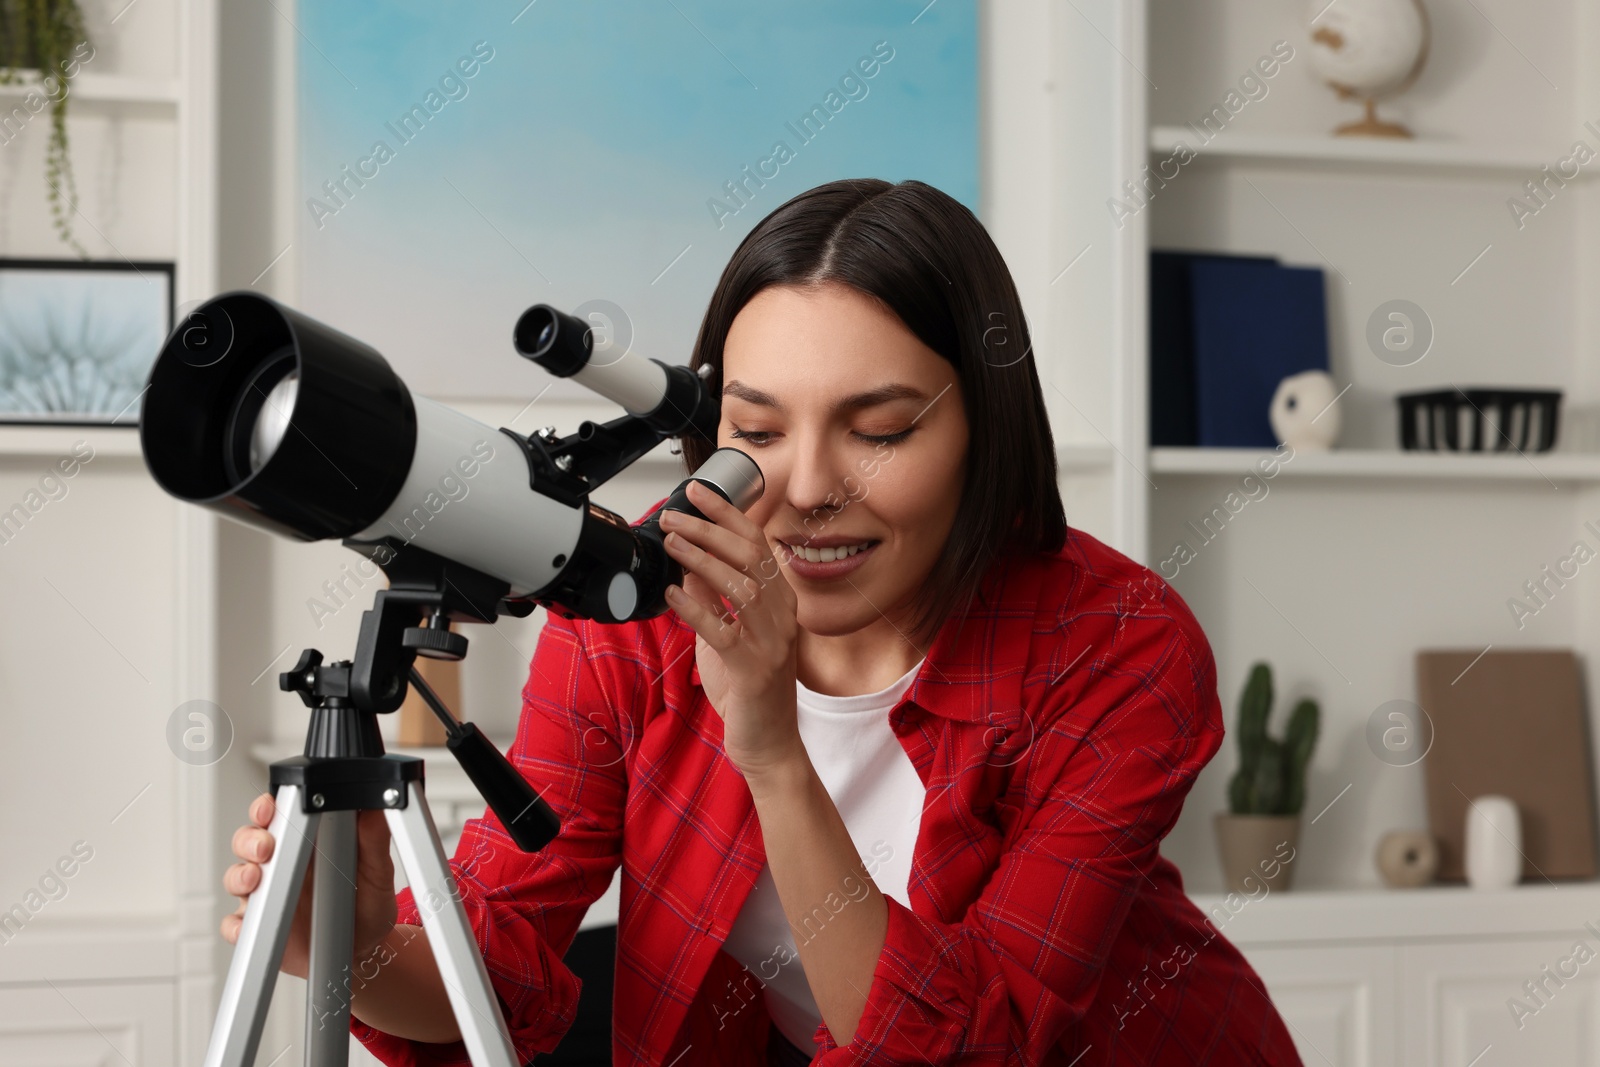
(374, 877)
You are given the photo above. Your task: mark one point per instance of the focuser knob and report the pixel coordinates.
(434, 643)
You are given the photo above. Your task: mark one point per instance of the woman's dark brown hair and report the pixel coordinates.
(929, 260)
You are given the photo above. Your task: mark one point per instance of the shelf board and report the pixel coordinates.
(89, 88)
(1367, 152)
(1436, 912)
(51, 441)
(1364, 463)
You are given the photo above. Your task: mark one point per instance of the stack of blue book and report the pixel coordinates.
(1224, 331)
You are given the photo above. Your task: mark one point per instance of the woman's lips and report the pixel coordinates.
(824, 571)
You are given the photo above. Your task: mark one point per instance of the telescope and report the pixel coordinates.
(275, 420)
(278, 421)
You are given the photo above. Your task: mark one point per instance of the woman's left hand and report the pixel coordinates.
(746, 649)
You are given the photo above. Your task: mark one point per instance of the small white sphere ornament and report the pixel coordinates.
(1303, 413)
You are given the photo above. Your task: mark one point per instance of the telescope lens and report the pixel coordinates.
(295, 428)
(273, 421)
(558, 342)
(535, 331)
(260, 414)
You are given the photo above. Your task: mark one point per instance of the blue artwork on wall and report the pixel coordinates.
(459, 162)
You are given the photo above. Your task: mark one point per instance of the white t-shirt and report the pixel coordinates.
(879, 795)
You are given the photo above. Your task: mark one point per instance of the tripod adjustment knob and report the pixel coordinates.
(435, 643)
(302, 677)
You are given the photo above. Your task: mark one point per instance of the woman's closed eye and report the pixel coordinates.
(761, 438)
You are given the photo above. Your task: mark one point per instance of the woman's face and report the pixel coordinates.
(861, 433)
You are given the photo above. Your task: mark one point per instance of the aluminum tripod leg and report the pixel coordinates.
(455, 948)
(329, 986)
(258, 953)
(259, 950)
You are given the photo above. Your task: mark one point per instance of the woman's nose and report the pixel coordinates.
(814, 483)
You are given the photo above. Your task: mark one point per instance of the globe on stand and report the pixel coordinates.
(1369, 50)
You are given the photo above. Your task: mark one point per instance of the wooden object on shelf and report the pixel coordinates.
(1407, 859)
(419, 726)
(1372, 126)
(1510, 723)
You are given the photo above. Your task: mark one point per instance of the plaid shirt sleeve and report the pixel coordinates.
(1102, 784)
(525, 909)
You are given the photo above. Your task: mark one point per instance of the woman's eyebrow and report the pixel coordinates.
(871, 398)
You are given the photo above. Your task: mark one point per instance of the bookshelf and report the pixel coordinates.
(1356, 558)
(1424, 220)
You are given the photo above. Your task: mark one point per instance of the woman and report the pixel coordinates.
(887, 784)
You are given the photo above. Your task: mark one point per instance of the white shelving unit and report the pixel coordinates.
(1424, 220)
(121, 582)
(1348, 562)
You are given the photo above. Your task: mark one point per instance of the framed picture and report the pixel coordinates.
(77, 339)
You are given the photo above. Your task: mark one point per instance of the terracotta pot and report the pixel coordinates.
(1258, 850)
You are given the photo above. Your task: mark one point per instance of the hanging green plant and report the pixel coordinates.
(47, 38)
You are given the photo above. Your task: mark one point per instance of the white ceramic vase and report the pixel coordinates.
(1493, 843)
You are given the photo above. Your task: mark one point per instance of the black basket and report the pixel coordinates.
(1479, 420)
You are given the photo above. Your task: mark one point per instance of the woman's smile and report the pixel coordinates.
(827, 563)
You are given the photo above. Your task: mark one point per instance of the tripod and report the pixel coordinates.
(344, 770)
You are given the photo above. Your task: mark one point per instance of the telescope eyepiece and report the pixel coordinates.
(560, 343)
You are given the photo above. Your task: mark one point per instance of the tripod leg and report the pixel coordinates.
(333, 918)
(455, 949)
(257, 954)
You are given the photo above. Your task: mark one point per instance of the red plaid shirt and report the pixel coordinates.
(1057, 732)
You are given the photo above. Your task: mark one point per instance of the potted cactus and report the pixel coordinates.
(1258, 836)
